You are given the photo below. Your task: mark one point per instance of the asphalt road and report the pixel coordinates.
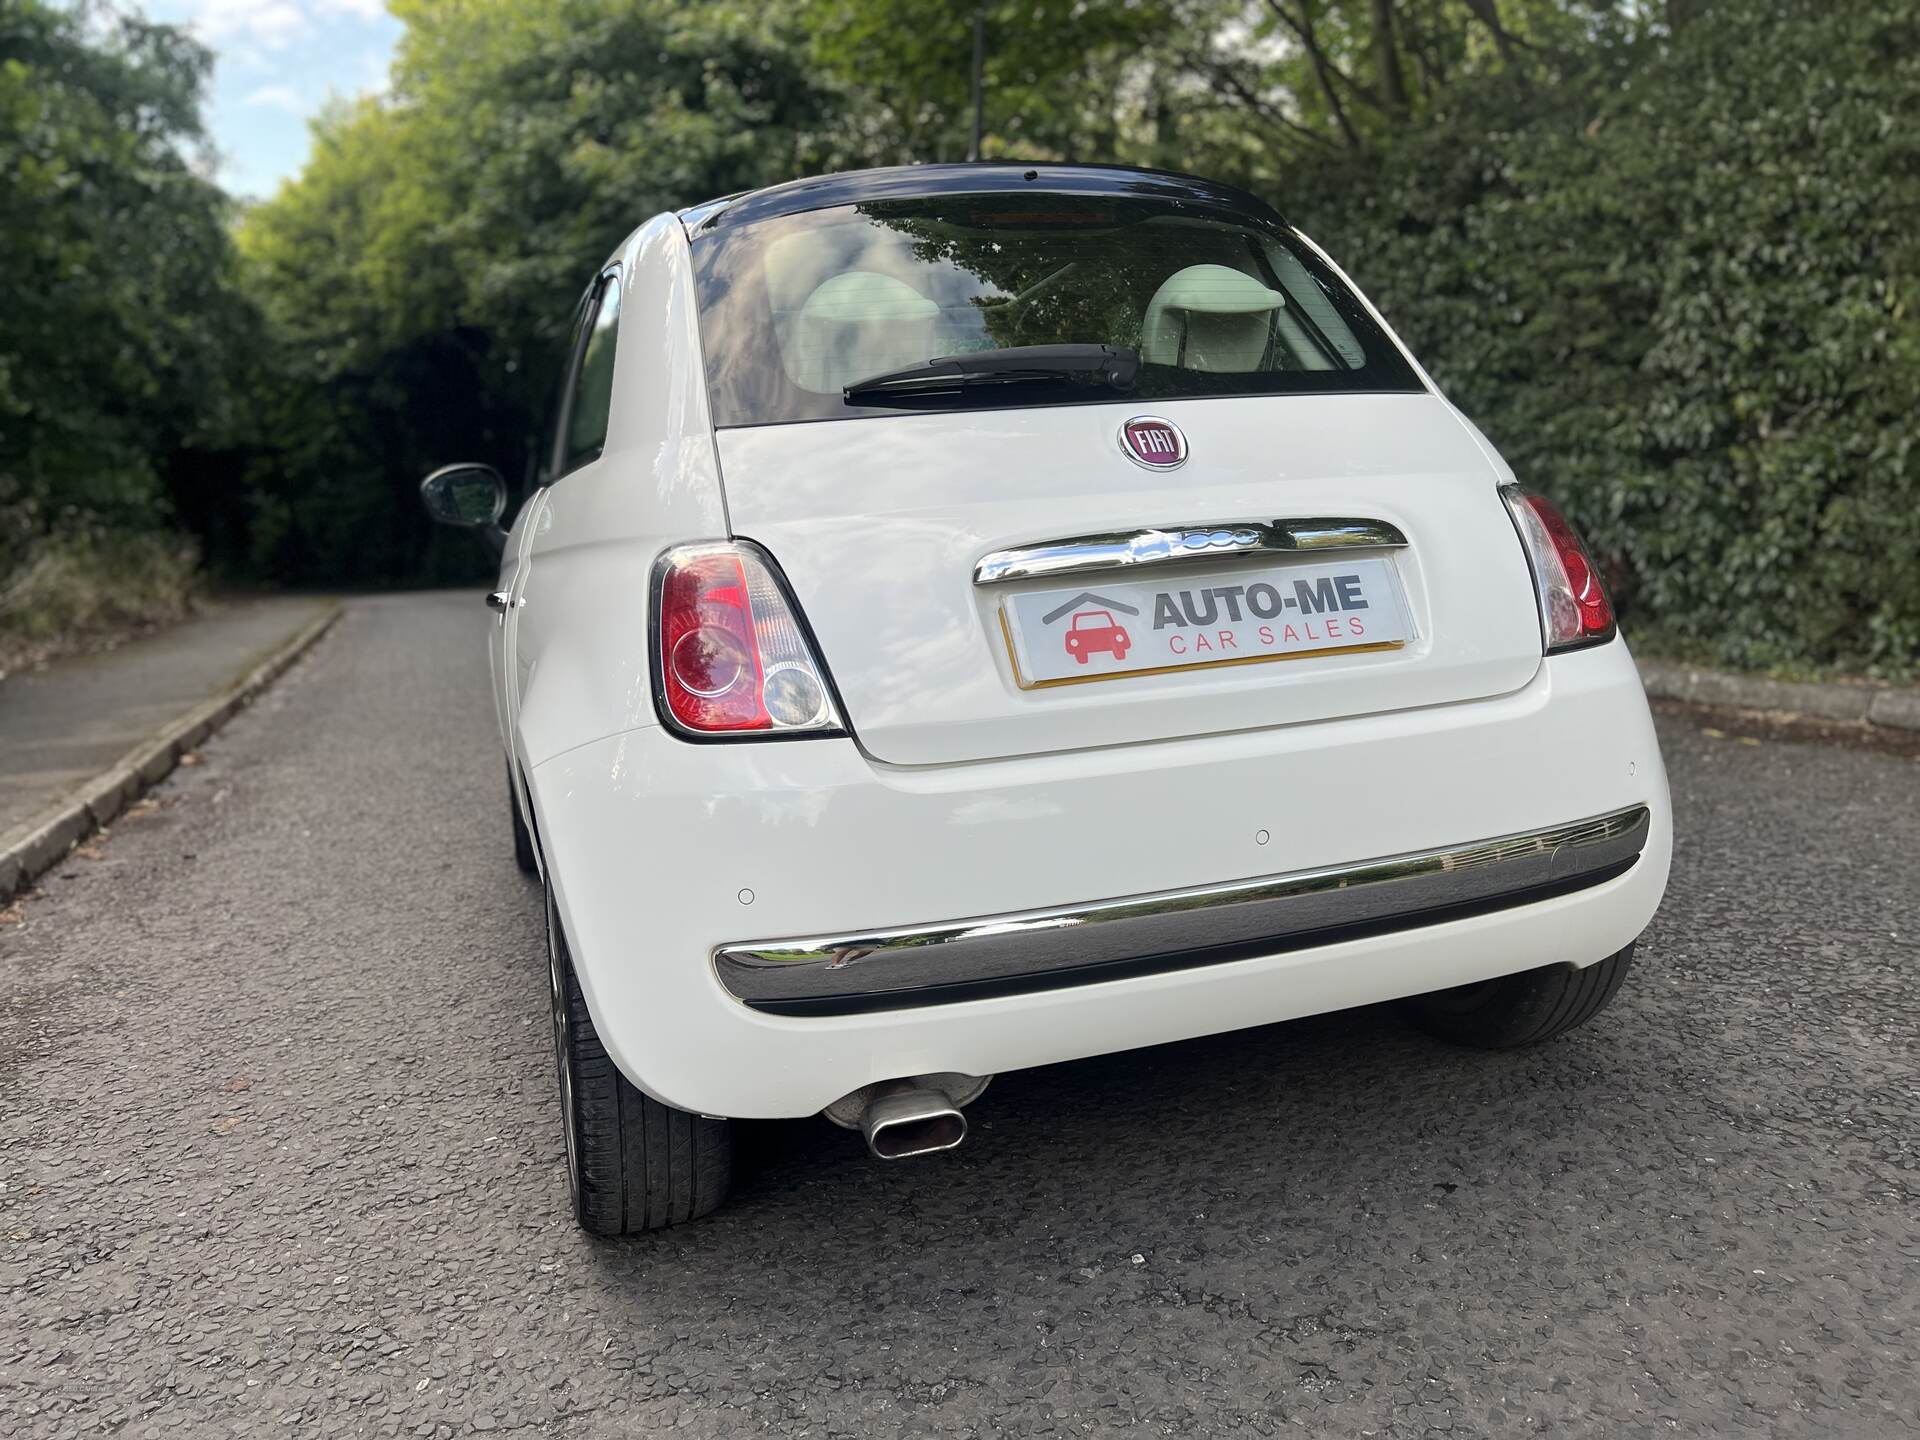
(62, 725)
(280, 1155)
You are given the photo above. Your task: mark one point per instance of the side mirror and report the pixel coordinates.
(471, 497)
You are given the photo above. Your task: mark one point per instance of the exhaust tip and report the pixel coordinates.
(912, 1122)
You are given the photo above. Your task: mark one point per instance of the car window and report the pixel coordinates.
(540, 471)
(592, 400)
(540, 468)
(795, 308)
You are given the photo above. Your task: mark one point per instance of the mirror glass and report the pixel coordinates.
(471, 495)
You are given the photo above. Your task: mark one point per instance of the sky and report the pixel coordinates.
(275, 64)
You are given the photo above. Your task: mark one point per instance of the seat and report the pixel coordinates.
(855, 324)
(1210, 317)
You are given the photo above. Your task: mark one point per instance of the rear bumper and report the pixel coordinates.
(664, 855)
(1176, 929)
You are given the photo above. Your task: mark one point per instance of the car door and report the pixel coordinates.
(577, 433)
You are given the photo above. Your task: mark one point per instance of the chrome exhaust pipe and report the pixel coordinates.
(913, 1115)
(903, 1123)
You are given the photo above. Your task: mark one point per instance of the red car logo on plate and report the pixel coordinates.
(1155, 443)
(1096, 630)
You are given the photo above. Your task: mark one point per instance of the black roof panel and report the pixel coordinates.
(906, 182)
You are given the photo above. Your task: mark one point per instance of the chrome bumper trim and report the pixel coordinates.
(1117, 550)
(829, 974)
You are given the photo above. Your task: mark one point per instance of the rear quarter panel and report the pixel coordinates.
(583, 620)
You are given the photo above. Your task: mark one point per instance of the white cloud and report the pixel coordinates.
(275, 61)
(272, 24)
(280, 97)
(376, 72)
(248, 59)
(266, 24)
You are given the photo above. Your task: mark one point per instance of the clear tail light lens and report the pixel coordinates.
(1574, 609)
(731, 658)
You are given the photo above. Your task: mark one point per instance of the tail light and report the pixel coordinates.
(731, 657)
(1574, 609)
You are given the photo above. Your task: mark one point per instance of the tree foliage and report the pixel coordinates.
(1664, 253)
(1677, 291)
(421, 273)
(121, 321)
(1054, 71)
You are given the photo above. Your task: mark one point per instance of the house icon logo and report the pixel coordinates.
(1087, 597)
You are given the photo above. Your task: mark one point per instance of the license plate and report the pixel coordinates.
(1110, 628)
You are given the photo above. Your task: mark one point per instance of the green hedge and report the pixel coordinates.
(1678, 293)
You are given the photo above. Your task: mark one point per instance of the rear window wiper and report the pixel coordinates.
(1111, 366)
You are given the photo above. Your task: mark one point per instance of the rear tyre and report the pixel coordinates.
(522, 837)
(1522, 1009)
(633, 1164)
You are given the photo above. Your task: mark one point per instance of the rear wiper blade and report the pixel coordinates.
(1113, 366)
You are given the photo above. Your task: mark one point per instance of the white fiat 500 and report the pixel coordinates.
(973, 617)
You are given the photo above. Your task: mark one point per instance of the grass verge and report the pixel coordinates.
(90, 590)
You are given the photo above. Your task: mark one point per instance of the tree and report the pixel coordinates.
(1673, 289)
(421, 273)
(1666, 265)
(1059, 73)
(121, 329)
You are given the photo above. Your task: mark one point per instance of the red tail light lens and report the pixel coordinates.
(1574, 609)
(731, 658)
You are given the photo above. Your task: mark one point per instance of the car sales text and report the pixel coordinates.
(1331, 598)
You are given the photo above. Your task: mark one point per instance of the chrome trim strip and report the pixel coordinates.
(1155, 546)
(1333, 533)
(1273, 909)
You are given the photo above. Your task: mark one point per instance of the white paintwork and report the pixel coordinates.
(962, 795)
(581, 624)
(878, 524)
(651, 840)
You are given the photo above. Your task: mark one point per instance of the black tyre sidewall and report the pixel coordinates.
(1523, 1009)
(633, 1164)
(561, 991)
(523, 855)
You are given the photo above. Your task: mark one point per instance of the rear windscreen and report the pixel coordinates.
(795, 308)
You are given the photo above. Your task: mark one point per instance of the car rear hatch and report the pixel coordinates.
(882, 523)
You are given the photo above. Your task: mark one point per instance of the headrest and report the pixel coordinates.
(1215, 290)
(856, 324)
(863, 295)
(1209, 317)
